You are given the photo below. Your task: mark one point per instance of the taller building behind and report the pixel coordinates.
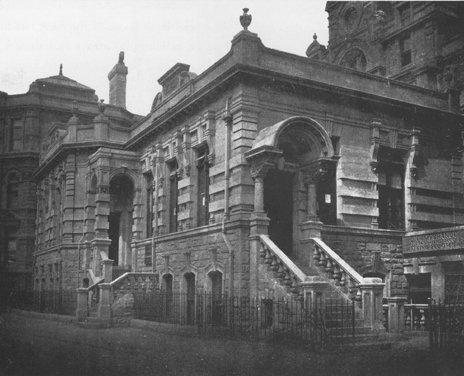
(420, 43)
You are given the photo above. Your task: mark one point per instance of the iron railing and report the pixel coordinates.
(446, 325)
(47, 301)
(255, 318)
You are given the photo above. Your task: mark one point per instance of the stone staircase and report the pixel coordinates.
(342, 296)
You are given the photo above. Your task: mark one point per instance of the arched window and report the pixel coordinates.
(354, 59)
(12, 191)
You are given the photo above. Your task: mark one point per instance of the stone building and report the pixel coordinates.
(267, 174)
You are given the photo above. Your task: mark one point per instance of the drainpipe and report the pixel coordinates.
(228, 123)
(79, 252)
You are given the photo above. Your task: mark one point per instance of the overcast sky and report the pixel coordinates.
(87, 35)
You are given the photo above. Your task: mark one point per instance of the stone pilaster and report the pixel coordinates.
(68, 203)
(137, 219)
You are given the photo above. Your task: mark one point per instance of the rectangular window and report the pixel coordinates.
(173, 197)
(405, 51)
(391, 193)
(203, 187)
(147, 255)
(149, 204)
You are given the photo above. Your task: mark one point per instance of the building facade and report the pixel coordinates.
(264, 172)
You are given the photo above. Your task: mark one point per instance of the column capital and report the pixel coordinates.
(260, 170)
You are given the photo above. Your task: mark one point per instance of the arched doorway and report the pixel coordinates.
(216, 297)
(120, 220)
(291, 163)
(189, 281)
(167, 295)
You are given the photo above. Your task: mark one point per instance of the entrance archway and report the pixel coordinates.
(120, 219)
(288, 161)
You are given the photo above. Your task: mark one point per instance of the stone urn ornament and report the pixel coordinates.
(245, 19)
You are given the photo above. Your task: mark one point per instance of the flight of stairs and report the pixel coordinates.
(341, 307)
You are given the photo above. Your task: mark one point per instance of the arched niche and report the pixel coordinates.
(354, 58)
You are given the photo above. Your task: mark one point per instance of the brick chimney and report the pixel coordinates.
(117, 78)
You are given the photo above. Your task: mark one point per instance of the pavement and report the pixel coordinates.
(32, 345)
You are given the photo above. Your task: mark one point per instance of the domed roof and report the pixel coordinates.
(62, 85)
(61, 80)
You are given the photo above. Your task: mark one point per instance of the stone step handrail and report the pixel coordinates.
(128, 277)
(278, 261)
(338, 269)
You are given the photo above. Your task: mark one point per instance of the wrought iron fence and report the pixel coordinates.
(446, 325)
(255, 318)
(47, 301)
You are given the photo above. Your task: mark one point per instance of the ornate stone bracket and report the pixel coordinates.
(317, 169)
(375, 144)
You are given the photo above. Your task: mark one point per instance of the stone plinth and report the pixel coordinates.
(371, 293)
(82, 306)
(396, 314)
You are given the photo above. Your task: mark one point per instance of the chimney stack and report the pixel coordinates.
(117, 78)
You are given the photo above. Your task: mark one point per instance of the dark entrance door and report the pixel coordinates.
(278, 203)
(216, 297)
(190, 281)
(113, 233)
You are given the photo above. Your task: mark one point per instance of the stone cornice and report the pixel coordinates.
(64, 148)
(266, 63)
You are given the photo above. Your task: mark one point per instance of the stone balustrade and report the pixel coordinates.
(338, 270)
(415, 316)
(285, 269)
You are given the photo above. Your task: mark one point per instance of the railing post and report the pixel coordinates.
(104, 305)
(371, 295)
(396, 314)
(314, 289)
(82, 304)
(107, 267)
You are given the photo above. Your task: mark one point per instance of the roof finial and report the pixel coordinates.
(245, 19)
(61, 69)
(315, 37)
